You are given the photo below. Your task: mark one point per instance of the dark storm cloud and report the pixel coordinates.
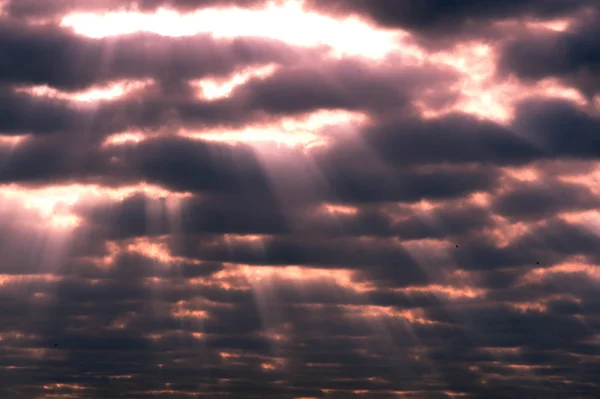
(195, 165)
(198, 166)
(48, 55)
(326, 84)
(537, 200)
(58, 8)
(543, 245)
(439, 17)
(350, 84)
(444, 222)
(572, 56)
(558, 128)
(456, 138)
(50, 160)
(378, 260)
(558, 239)
(149, 109)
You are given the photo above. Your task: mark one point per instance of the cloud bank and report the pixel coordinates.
(400, 205)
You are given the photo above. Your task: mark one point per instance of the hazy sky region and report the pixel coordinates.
(386, 199)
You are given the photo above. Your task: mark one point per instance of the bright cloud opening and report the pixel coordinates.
(287, 22)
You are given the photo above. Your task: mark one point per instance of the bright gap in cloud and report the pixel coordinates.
(110, 91)
(287, 22)
(413, 316)
(215, 89)
(340, 209)
(572, 266)
(448, 291)
(256, 276)
(11, 141)
(556, 25)
(155, 249)
(303, 131)
(481, 93)
(24, 279)
(54, 203)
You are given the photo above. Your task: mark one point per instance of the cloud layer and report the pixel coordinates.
(250, 214)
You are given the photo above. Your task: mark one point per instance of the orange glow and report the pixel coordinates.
(304, 275)
(15, 335)
(285, 22)
(404, 393)
(541, 305)
(453, 394)
(274, 364)
(527, 174)
(75, 387)
(345, 210)
(230, 355)
(125, 138)
(587, 219)
(557, 25)
(449, 291)
(530, 307)
(11, 141)
(424, 205)
(591, 179)
(539, 274)
(413, 316)
(506, 231)
(213, 89)
(257, 238)
(6, 279)
(502, 351)
(481, 199)
(267, 366)
(151, 249)
(196, 314)
(111, 91)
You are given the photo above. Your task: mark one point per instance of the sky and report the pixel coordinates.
(299, 199)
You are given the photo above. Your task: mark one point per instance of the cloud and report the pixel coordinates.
(241, 216)
(440, 17)
(136, 56)
(54, 8)
(571, 55)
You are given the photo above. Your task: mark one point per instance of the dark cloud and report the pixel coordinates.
(58, 8)
(346, 84)
(71, 62)
(536, 200)
(572, 56)
(439, 17)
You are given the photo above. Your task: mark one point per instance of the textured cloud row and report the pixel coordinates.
(203, 215)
